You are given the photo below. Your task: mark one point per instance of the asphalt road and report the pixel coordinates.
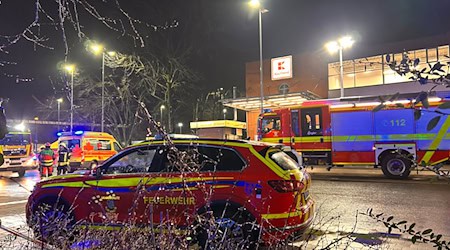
(339, 196)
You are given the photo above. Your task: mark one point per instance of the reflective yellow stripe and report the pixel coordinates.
(282, 215)
(131, 182)
(437, 140)
(356, 138)
(77, 184)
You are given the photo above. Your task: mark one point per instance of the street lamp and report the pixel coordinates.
(224, 111)
(180, 125)
(36, 119)
(98, 49)
(59, 101)
(161, 109)
(70, 68)
(339, 45)
(256, 4)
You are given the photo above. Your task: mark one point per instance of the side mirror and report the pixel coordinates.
(98, 173)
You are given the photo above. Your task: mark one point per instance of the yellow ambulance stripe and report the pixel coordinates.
(437, 140)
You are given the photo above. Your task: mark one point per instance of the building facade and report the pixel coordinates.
(314, 75)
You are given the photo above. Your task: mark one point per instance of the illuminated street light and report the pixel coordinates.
(224, 111)
(59, 101)
(180, 125)
(334, 46)
(161, 109)
(70, 68)
(98, 49)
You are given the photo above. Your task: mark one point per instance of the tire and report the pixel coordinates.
(21, 173)
(396, 166)
(52, 222)
(232, 229)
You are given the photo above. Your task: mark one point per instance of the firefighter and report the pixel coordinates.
(63, 159)
(46, 158)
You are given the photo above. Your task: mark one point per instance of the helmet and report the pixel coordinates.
(47, 144)
(62, 144)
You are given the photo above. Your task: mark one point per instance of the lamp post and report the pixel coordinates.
(340, 45)
(71, 69)
(180, 125)
(256, 4)
(59, 101)
(161, 109)
(224, 111)
(36, 119)
(98, 49)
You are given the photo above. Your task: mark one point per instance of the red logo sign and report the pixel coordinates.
(280, 65)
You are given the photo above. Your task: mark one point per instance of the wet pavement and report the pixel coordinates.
(341, 195)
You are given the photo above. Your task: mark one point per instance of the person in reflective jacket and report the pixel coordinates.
(46, 158)
(63, 159)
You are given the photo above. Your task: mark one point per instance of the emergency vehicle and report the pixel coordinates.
(87, 148)
(238, 181)
(330, 132)
(17, 151)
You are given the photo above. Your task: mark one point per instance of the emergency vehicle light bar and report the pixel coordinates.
(79, 132)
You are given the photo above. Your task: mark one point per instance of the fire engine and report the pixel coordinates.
(18, 152)
(335, 133)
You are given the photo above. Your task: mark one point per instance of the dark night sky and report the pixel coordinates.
(226, 33)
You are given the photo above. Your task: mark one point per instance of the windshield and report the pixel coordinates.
(15, 139)
(283, 160)
(270, 123)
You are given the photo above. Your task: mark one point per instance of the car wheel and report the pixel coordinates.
(396, 166)
(232, 229)
(52, 222)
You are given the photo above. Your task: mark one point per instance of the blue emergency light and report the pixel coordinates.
(79, 132)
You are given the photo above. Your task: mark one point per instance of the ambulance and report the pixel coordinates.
(87, 148)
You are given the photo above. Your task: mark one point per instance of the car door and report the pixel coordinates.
(123, 184)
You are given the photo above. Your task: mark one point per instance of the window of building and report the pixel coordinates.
(443, 53)
(432, 55)
(368, 71)
(376, 71)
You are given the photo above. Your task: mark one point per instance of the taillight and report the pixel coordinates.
(285, 186)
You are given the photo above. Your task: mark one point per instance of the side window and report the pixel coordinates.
(295, 122)
(311, 121)
(140, 160)
(191, 158)
(207, 158)
(98, 145)
(117, 147)
(220, 159)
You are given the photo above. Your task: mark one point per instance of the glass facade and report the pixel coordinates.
(371, 71)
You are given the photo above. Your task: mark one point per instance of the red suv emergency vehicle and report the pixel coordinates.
(256, 180)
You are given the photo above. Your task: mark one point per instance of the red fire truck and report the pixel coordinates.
(335, 133)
